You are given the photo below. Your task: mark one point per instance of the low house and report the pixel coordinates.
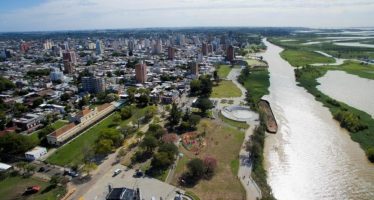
(28, 122)
(35, 153)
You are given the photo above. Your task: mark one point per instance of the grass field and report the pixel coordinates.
(303, 58)
(12, 188)
(223, 143)
(226, 89)
(257, 83)
(223, 70)
(233, 123)
(361, 70)
(72, 153)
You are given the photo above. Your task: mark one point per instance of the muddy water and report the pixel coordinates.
(310, 157)
(350, 89)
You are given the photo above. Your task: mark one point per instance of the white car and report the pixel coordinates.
(116, 172)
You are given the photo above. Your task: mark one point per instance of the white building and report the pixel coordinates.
(35, 153)
(56, 75)
(99, 47)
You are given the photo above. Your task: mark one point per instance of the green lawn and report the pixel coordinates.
(234, 164)
(226, 89)
(351, 67)
(224, 70)
(257, 83)
(233, 123)
(303, 58)
(223, 143)
(72, 152)
(12, 188)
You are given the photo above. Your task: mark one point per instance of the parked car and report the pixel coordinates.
(138, 173)
(32, 189)
(116, 172)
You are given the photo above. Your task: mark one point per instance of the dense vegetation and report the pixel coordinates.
(256, 146)
(6, 84)
(256, 81)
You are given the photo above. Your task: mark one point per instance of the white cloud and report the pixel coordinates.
(96, 14)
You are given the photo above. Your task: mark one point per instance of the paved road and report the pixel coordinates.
(149, 187)
(96, 176)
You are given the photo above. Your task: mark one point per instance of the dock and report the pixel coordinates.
(270, 121)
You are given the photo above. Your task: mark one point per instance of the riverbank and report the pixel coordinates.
(269, 119)
(307, 78)
(256, 81)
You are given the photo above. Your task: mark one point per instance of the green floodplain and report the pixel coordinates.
(357, 122)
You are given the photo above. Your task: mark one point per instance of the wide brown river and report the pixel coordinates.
(311, 157)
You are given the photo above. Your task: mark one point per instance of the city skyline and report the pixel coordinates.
(48, 15)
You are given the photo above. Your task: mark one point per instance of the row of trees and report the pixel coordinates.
(188, 121)
(163, 157)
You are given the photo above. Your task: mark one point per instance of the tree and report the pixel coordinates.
(215, 76)
(104, 146)
(156, 130)
(111, 97)
(169, 148)
(206, 86)
(114, 135)
(14, 144)
(6, 84)
(116, 119)
(89, 167)
(203, 104)
(144, 98)
(196, 168)
(37, 102)
(149, 113)
(195, 87)
(194, 120)
(210, 165)
(175, 115)
(370, 154)
(126, 112)
(65, 97)
(161, 160)
(55, 180)
(109, 74)
(3, 120)
(131, 92)
(149, 143)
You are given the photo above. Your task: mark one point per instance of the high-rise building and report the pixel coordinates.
(99, 47)
(24, 47)
(194, 68)
(204, 49)
(141, 72)
(56, 50)
(230, 54)
(47, 44)
(157, 48)
(70, 60)
(171, 53)
(93, 84)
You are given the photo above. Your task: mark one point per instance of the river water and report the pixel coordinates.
(350, 89)
(311, 157)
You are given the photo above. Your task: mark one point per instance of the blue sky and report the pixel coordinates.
(41, 15)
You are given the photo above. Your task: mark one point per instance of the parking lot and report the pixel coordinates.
(149, 187)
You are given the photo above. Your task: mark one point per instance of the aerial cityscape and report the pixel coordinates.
(186, 100)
